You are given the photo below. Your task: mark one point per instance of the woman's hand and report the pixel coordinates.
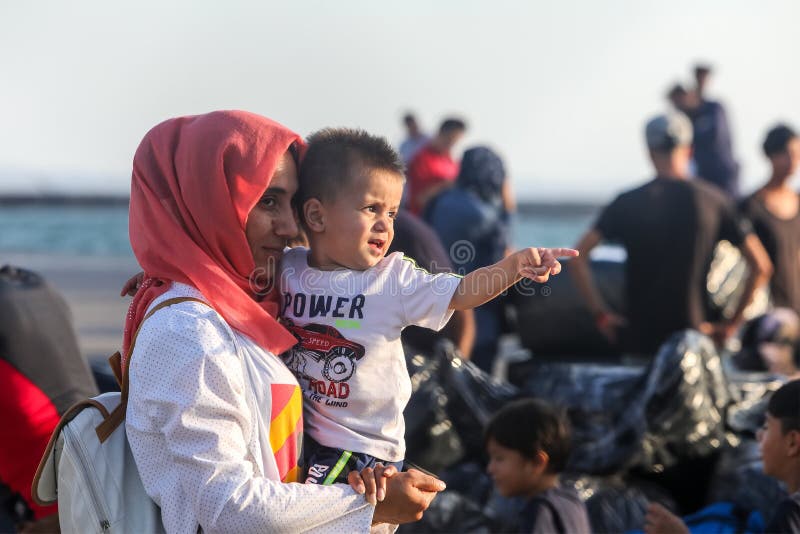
(408, 495)
(372, 482)
(132, 285)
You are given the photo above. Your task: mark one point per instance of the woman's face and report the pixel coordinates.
(272, 222)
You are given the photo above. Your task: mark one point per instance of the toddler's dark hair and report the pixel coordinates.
(335, 156)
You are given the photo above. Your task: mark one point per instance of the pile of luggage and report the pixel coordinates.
(678, 428)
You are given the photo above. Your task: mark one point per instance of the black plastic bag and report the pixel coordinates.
(473, 396)
(450, 512)
(598, 398)
(646, 417)
(618, 505)
(750, 392)
(685, 400)
(469, 479)
(431, 439)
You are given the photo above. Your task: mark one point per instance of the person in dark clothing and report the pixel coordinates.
(713, 150)
(779, 440)
(472, 220)
(669, 228)
(417, 240)
(42, 374)
(528, 443)
(774, 211)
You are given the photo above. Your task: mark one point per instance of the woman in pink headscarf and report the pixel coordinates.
(214, 418)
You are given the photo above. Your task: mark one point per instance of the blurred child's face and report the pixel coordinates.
(776, 447)
(512, 473)
(359, 222)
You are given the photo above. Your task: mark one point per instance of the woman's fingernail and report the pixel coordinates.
(381, 494)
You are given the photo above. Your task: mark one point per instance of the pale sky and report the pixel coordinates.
(560, 89)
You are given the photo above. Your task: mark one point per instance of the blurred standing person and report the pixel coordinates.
(414, 141)
(433, 167)
(472, 220)
(712, 145)
(669, 228)
(702, 74)
(774, 211)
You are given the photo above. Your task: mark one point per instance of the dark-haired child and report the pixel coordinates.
(528, 443)
(346, 301)
(779, 440)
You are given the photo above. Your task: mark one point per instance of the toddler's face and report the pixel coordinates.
(360, 221)
(512, 473)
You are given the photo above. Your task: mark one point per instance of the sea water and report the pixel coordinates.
(102, 231)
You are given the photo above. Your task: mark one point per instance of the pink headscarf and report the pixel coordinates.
(195, 180)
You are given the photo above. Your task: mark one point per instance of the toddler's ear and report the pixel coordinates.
(314, 215)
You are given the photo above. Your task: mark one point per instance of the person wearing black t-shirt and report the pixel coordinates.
(774, 211)
(669, 228)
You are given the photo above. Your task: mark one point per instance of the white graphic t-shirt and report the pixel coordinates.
(349, 359)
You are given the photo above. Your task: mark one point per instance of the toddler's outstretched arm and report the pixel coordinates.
(484, 284)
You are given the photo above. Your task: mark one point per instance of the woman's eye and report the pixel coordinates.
(268, 202)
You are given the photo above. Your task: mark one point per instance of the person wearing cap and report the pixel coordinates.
(712, 146)
(669, 228)
(774, 211)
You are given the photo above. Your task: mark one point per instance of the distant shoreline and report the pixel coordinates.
(541, 207)
(100, 201)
